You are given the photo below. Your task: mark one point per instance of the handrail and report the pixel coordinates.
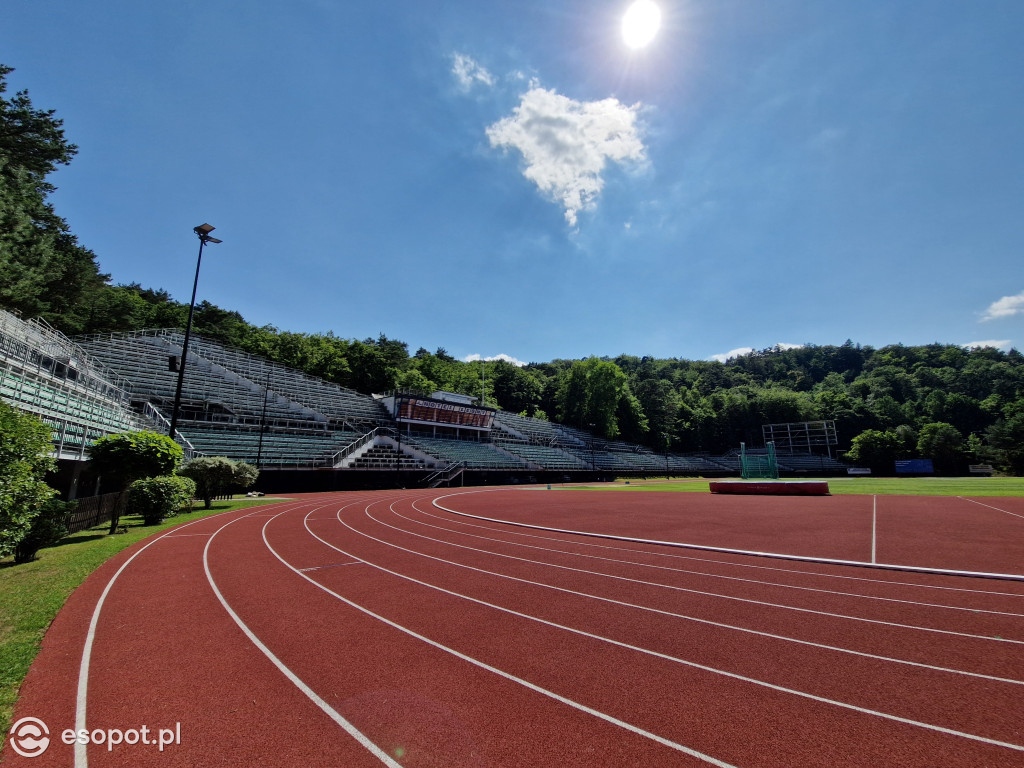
(359, 442)
(153, 413)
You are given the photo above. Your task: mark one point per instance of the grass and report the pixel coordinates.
(905, 486)
(32, 593)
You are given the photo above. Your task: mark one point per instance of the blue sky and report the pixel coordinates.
(509, 178)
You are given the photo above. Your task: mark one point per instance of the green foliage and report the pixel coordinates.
(43, 270)
(47, 528)
(880, 450)
(244, 475)
(131, 456)
(24, 462)
(157, 498)
(212, 476)
(944, 445)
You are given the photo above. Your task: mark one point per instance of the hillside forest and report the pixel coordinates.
(940, 401)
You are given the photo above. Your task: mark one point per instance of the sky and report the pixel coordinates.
(510, 178)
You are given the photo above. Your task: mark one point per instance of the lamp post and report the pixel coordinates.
(203, 231)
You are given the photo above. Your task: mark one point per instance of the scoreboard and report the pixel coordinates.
(426, 410)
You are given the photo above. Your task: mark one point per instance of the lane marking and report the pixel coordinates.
(82, 695)
(700, 573)
(681, 615)
(332, 565)
(482, 665)
(749, 552)
(874, 526)
(997, 509)
(708, 594)
(283, 668)
(656, 654)
(674, 556)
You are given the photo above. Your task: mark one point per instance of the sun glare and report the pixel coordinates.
(640, 24)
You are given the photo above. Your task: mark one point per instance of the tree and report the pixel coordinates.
(515, 389)
(879, 450)
(212, 475)
(944, 445)
(43, 270)
(244, 475)
(131, 456)
(24, 461)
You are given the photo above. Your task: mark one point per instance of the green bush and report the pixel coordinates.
(24, 461)
(48, 527)
(157, 498)
(214, 475)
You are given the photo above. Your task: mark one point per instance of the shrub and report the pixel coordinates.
(24, 461)
(48, 527)
(157, 498)
(212, 475)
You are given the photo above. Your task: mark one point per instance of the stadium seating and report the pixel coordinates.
(44, 373)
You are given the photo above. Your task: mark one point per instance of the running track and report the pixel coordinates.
(369, 629)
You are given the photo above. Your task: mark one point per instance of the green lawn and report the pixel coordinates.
(909, 486)
(32, 593)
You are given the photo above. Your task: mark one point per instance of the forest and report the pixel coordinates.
(954, 405)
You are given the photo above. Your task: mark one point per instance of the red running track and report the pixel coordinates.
(380, 629)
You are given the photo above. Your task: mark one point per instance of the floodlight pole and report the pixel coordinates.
(203, 231)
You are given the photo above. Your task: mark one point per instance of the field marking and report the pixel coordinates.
(332, 713)
(627, 646)
(82, 693)
(997, 509)
(476, 662)
(710, 594)
(672, 614)
(674, 556)
(752, 553)
(701, 573)
(874, 526)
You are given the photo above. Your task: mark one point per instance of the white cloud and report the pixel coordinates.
(1008, 306)
(507, 358)
(468, 72)
(1003, 344)
(566, 144)
(741, 351)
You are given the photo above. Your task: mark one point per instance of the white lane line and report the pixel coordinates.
(758, 582)
(874, 526)
(482, 665)
(708, 594)
(674, 556)
(683, 616)
(82, 695)
(748, 552)
(997, 509)
(332, 713)
(645, 651)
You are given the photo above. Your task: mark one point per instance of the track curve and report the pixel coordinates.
(377, 629)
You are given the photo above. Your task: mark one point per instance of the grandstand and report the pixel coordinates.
(44, 373)
(238, 405)
(248, 408)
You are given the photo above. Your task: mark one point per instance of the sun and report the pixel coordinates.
(640, 23)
